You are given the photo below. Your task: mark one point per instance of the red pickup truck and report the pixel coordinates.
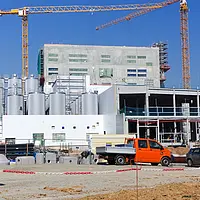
(137, 150)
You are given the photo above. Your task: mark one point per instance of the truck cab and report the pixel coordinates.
(137, 150)
(149, 151)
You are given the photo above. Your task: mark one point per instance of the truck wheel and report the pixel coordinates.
(189, 162)
(120, 160)
(165, 161)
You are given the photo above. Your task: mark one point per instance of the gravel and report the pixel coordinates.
(60, 187)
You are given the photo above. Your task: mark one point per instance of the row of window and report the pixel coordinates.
(81, 60)
(102, 74)
(78, 60)
(78, 55)
(102, 56)
(53, 57)
(137, 75)
(136, 70)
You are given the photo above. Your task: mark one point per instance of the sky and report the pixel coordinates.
(79, 28)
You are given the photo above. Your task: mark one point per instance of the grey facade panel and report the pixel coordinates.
(104, 64)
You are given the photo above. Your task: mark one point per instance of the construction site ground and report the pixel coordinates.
(153, 183)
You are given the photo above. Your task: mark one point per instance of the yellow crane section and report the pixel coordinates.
(184, 33)
(137, 14)
(185, 44)
(25, 11)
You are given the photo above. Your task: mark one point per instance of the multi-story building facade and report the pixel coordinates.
(104, 64)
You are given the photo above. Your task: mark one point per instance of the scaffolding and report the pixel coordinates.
(163, 59)
(72, 86)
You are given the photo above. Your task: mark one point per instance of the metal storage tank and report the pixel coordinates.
(36, 103)
(73, 108)
(14, 85)
(14, 105)
(79, 105)
(31, 85)
(2, 97)
(89, 104)
(76, 106)
(57, 103)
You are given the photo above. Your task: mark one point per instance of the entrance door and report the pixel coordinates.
(38, 139)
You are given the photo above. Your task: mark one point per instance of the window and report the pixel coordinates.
(53, 73)
(58, 137)
(142, 143)
(52, 55)
(38, 138)
(77, 74)
(53, 59)
(105, 56)
(78, 69)
(131, 61)
(154, 145)
(141, 57)
(10, 140)
(131, 57)
(131, 70)
(105, 61)
(149, 64)
(52, 69)
(142, 75)
(196, 151)
(78, 55)
(106, 72)
(142, 70)
(134, 75)
(130, 143)
(78, 60)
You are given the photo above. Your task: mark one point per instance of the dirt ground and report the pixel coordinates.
(173, 191)
(179, 150)
(50, 184)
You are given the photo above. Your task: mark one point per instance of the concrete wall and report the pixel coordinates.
(23, 127)
(107, 102)
(109, 124)
(59, 56)
(120, 124)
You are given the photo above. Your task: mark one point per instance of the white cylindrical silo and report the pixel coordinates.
(2, 97)
(14, 105)
(31, 85)
(76, 106)
(80, 105)
(36, 104)
(14, 85)
(73, 107)
(57, 103)
(89, 104)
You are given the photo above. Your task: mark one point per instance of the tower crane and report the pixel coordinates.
(26, 11)
(184, 33)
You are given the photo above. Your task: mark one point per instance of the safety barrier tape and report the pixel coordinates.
(18, 171)
(99, 172)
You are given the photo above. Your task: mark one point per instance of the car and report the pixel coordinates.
(193, 157)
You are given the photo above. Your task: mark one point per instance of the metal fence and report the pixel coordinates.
(159, 111)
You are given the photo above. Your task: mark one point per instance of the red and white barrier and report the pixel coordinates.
(99, 172)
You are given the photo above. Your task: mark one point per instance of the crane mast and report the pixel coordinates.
(185, 44)
(25, 11)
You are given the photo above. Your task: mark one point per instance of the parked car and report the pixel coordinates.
(193, 157)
